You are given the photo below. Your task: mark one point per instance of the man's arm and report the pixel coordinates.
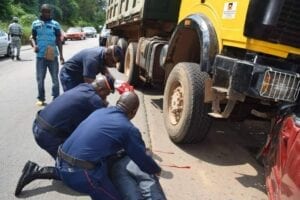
(33, 40)
(60, 48)
(135, 148)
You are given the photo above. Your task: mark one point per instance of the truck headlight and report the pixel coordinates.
(280, 86)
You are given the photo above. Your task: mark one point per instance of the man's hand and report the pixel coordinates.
(62, 60)
(36, 49)
(158, 174)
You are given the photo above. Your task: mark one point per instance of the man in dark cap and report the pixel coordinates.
(85, 65)
(55, 123)
(83, 159)
(46, 34)
(15, 33)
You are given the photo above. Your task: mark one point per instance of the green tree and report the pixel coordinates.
(69, 10)
(5, 10)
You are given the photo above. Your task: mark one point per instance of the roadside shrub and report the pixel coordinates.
(26, 34)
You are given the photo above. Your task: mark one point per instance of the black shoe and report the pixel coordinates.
(12, 57)
(18, 58)
(26, 177)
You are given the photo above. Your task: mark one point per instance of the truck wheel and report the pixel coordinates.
(185, 113)
(112, 40)
(123, 44)
(130, 68)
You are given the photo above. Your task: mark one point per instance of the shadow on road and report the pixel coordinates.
(56, 186)
(229, 144)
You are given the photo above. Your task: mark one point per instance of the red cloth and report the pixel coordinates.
(124, 87)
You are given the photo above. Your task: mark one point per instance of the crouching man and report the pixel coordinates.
(55, 123)
(83, 159)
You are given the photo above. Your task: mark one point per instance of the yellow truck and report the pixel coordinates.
(215, 58)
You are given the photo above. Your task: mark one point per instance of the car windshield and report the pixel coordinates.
(74, 30)
(89, 29)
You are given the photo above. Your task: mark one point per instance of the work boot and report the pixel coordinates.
(26, 177)
(31, 172)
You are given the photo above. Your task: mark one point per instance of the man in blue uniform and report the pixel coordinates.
(54, 124)
(85, 65)
(83, 159)
(45, 40)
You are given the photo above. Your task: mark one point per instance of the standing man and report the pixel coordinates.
(15, 33)
(85, 65)
(55, 123)
(83, 159)
(45, 37)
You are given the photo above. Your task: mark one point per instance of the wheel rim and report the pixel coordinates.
(127, 63)
(176, 104)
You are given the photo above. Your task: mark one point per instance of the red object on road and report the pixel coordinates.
(122, 87)
(283, 161)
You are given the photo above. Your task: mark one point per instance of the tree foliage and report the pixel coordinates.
(67, 12)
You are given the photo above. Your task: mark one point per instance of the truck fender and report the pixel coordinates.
(193, 40)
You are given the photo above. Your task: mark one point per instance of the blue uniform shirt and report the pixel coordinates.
(105, 132)
(45, 33)
(87, 63)
(72, 107)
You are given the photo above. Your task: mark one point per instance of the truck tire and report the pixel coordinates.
(184, 110)
(112, 40)
(123, 44)
(130, 68)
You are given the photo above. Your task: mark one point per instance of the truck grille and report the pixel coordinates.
(287, 30)
(280, 86)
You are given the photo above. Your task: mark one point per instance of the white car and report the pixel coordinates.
(4, 44)
(90, 31)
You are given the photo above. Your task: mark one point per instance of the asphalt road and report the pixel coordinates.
(222, 167)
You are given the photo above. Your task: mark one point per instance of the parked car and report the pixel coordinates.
(75, 33)
(90, 31)
(104, 34)
(5, 48)
(282, 158)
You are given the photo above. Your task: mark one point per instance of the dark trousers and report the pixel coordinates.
(47, 141)
(41, 70)
(133, 183)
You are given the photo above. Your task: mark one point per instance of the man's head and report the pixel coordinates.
(113, 54)
(129, 103)
(46, 11)
(15, 19)
(103, 86)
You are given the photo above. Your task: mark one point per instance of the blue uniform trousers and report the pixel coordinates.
(47, 141)
(95, 183)
(68, 81)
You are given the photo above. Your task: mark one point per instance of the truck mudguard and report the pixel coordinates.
(203, 42)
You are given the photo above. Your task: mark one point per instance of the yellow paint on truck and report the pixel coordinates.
(228, 19)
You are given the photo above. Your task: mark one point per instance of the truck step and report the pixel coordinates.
(220, 89)
(216, 115)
